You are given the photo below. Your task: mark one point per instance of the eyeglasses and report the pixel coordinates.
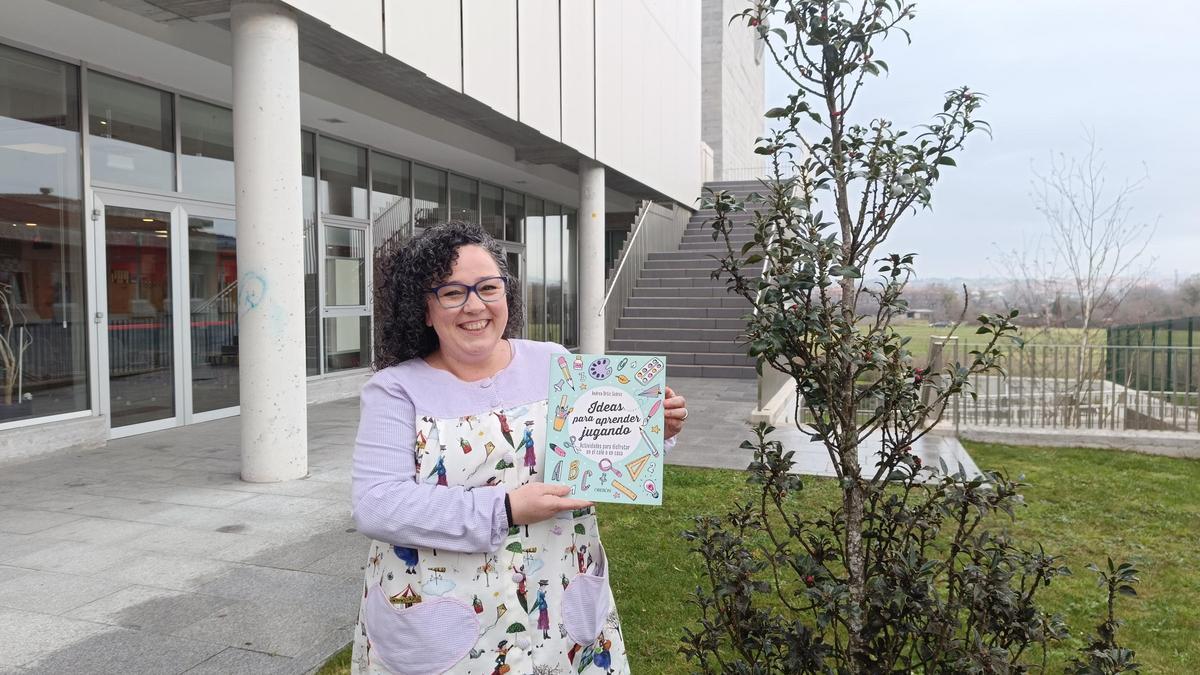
(454, 295)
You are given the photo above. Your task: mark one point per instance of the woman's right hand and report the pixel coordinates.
(535, 502)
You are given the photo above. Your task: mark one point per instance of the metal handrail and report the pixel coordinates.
(213, 300)
(645, 210)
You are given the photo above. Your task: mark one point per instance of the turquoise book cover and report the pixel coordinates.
(604, 432)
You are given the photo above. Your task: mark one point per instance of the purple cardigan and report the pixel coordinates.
(389, 504)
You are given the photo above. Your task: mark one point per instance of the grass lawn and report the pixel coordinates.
(921, 331)
(1083, 504)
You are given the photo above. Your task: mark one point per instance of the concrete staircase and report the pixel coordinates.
(678, 310)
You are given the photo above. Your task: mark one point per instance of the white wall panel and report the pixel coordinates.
(359, 19)
(578, 76)
(648, 93)
(426, 36)
(490, 53)
(540, 104)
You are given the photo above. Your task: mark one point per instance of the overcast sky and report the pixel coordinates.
(1050, 68)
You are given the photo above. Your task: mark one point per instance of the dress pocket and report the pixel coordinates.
(428, 637)
(586, 603)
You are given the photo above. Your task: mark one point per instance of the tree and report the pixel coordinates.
(1090, 259)
(906, 573)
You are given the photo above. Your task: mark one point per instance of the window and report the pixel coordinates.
(41, 239)
(343, 179)
(570, 276)
(391, 199)
(206, 150)
(429, 196)
(535, 268)
(131, 131)
(491, 205)
(553, 273)
(312, 316)
(464, 199)
(514, 216)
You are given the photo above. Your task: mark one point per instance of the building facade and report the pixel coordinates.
(156, 272)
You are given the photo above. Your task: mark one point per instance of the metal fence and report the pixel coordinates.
(1099, 387)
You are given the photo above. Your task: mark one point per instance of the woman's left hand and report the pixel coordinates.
(674, 413)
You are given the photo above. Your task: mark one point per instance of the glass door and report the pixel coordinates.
(514, 258)
(167, 321)
(212, 302)
(139, 336)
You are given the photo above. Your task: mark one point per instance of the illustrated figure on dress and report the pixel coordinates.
(543, 609)
(527, 443)
(505, 430)
(602, 657)
(580, 559)
(440, 470)
(409, 556)
(501, 657)
(519, 577)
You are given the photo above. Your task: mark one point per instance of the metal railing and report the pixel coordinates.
(1098, 388)
(657, 229)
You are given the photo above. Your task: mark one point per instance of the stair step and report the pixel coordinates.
(679, 334)
(628, 346)
(693, 359)
(678, 272)
(681, 322)
(680, 264)
(727, 301)
(680, 282)
(693, 292)
(674, 311)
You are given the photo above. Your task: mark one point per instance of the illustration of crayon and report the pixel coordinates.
(573, 472)
(653, 409)
(558, 451)
(560, 414)
(562, 365)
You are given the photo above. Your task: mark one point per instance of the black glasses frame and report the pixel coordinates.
(468, 289)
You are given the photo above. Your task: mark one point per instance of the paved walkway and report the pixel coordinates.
(151, 556)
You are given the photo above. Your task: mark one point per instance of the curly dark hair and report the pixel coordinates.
(406, 269)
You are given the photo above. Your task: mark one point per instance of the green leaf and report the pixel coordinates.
(947, 161)
(776, 113)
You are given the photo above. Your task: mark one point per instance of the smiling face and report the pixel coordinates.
(469, 334)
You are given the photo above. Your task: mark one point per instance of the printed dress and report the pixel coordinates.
(533, 599)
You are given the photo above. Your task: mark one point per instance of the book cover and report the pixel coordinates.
(604, 434)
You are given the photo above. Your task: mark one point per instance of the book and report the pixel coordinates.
(604, 427)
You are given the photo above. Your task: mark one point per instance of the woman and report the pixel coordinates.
(444, 490)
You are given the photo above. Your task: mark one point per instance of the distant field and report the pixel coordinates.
(921, 331)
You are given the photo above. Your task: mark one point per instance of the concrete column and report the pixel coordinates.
(591, 257)
(270, 249)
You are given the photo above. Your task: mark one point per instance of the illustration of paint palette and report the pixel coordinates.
(606, 428)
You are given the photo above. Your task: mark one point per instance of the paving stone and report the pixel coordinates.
(281, 505)
(29, 521)
(125, 651)
(166, 571)
(52, 593)
(17, 545)
(146, 607)
(205, 543)
(330, 595)
(75, 558)
(29, 635)
(234, 660)
(278, 627)
(98, 530)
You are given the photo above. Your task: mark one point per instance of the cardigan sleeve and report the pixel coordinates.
(389, 502)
